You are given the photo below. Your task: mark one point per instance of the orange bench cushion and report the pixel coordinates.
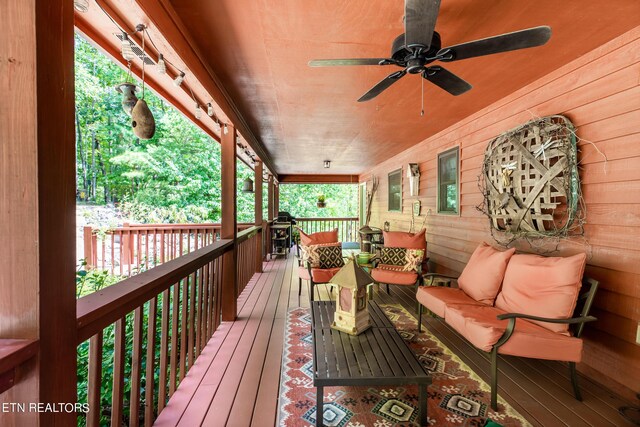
(542, 286)
(318, 238)
(479, 325)
(483, 274)
(436, 298)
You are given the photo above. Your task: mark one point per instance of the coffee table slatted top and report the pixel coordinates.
(378, 356)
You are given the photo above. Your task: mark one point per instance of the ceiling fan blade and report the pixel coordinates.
(503, 43)
(382, 85)
(342, 62)
(446, 80)
(419, 22)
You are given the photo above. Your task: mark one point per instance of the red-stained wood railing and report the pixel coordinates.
(132, 248)
(13, 353)
(246, 256)
(171, 312)
(347, 227)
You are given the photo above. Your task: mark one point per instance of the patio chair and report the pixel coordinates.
(315, 251)
(401, 259)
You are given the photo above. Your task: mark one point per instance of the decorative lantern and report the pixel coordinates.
(413, 174)
(129, 98)
(247, 186)
(352, 315)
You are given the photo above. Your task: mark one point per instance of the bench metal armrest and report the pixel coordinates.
(511, 317)
(430, 277)
(570, 321)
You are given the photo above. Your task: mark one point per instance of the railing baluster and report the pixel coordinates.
(164, 349)
(183, 328)
(192, 312)
(118, 373)
(136, 366)
(150, 365)
(173, 364)
(95, 380)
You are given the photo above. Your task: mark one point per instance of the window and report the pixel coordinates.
(448, 181)
(395, 191)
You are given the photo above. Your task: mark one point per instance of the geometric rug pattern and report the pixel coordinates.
(456, 397)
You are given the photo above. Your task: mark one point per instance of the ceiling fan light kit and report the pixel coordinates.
(421, 45)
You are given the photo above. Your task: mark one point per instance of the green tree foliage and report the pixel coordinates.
(300, 200)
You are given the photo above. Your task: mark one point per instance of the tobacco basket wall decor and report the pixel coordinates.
(530, 182)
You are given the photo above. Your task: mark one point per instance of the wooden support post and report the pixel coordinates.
(88, 247)
(37, 195)
(270, 194)
(229, 226)
(258, 214)
(276, 199)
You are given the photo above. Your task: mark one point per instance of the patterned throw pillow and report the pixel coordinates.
(393, 256)
(311, 254)
(331, 256)
(408, 259)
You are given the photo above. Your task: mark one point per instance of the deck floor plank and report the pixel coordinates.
(236, 379)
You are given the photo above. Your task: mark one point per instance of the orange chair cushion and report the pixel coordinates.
(479, 325)
(436, 298)
(322, 275)
(393, 275)
(318, 238)
(483, 274)
(400, 239)
(542, 286)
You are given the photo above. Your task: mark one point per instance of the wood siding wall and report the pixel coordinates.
(600, 93)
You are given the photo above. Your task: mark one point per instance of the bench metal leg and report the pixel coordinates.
(388, 293)
(419, 317)
(494, 379)
(319, 406)
(423, 405)
(299, 286)
(574, 381)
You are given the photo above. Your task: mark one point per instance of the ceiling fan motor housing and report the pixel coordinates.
(403, 56)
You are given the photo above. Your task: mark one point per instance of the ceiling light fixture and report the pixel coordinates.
(179, 79)
(210, 110)
(226, 129)
(161, 67)
(198, 112)
(125, 48)
(81, 5)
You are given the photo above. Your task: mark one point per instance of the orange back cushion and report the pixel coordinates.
(542, 286)
(400, 239)
(483, 274)
(318, 238)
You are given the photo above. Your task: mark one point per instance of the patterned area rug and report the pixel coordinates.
(457, 397)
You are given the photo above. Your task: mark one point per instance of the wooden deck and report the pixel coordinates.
(235, 380)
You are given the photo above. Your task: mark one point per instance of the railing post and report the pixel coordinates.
(88, 247)
(258, 214)
(229, 227)
(37, 195)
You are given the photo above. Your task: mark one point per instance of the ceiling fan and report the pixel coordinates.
(420, 45)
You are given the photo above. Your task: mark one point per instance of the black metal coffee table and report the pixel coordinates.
(378, 356)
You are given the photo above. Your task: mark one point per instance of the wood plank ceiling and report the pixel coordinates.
(260, 49)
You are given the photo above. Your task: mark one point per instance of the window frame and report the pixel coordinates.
(455, 151)
(393, 172)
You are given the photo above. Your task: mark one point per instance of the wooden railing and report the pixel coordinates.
(128, 250)
(347, 227)
(247, 251)
(14, 353)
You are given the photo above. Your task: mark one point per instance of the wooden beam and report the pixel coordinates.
(37, 195)
(258, 213)
(319, 179)
(229, 227)
(276, 200)
(165, 18)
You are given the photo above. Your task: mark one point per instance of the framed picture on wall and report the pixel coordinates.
(448, 182)
(395, 191)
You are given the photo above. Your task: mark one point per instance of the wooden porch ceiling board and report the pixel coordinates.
(319, 179)
(260, 50)
(236, 379)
